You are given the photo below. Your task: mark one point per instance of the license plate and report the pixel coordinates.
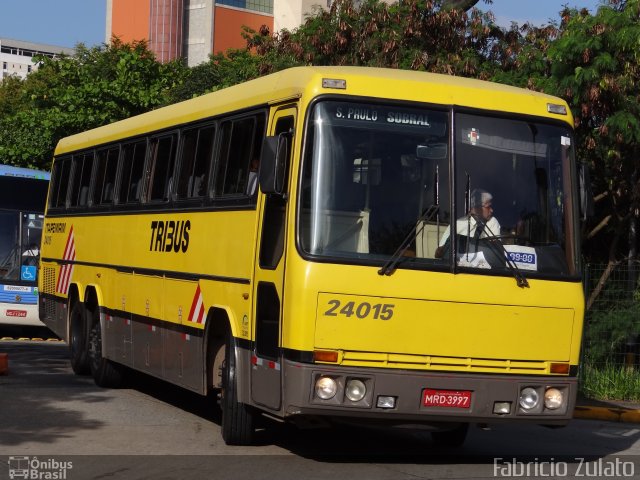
(446, 398)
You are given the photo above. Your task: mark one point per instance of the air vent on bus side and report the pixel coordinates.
(49, 280)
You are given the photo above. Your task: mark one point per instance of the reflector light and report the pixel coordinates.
(334, 83)
(330, 356)
(557, 109)
(560, 368)
(502, 408)
(386, 402)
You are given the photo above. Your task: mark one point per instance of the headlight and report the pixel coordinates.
(326, 388)
(553, 398)
(529, 398)
(355, 390)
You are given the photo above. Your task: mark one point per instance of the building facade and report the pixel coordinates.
(195, 29)
(192, 29)
(17, 56)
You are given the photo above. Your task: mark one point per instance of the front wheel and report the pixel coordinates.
(105, 373)
(237, 418)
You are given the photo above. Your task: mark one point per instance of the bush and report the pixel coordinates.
(611, 382)
(608, 333)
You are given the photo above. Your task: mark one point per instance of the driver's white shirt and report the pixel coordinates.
(467, 226)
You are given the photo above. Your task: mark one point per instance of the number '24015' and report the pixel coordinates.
(379, 311)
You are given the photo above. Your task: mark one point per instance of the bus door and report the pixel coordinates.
(266, 381)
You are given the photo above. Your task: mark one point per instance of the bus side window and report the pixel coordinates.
(251, 178)
(161, 166)
(60, 182)
(83, 165)
(132, 169)
(197, 151)
(106, 167)
(80, 177)
(241, 140)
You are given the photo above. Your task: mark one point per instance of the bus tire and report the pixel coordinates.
(451, 438)
(78, 340)
(106, 374)
(237, 418)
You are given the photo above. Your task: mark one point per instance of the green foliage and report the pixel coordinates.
(220, 71)
(75, 93)
(594, 64)
(10, 101)
(610, 382)
(608, 330)
(416, 34)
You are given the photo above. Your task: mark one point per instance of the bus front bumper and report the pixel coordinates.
(404, 396)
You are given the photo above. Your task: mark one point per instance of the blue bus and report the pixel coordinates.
(23, 194)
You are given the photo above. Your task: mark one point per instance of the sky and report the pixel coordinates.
(65, 23)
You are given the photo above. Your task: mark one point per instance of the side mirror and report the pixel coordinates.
(273, 164)
(586, 193)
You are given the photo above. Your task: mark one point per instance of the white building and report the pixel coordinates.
(17, 56)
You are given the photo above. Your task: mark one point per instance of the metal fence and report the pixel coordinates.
(612, 323)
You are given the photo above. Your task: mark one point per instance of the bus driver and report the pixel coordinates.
(480, 207)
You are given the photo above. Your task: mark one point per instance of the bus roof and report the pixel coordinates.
(11, 171)
(306, 83)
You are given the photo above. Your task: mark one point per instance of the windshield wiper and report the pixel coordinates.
(390, 267)
(498, 248)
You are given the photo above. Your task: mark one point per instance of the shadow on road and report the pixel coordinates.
(32, 406)
(588, 440)
(37, 369)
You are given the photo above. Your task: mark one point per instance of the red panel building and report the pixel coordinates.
(193, 29)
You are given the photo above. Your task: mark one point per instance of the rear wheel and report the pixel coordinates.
(451, 438)
(78, 340)
(237, 418)
(105, 373)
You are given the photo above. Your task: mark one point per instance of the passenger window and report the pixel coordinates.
(82, 165)
(61, 171)
(241, 141)
(131, 188)
(161, 163)
(197, 151)
(107, 165)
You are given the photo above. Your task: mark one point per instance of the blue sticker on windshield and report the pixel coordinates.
(28, 273)
(525, 258)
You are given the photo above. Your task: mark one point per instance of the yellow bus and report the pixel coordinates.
(336, 291)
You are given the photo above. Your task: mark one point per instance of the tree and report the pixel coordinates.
(416, 34)
(594, 65)
(74, 93)
(235, 66)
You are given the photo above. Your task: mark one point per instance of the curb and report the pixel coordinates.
(609, 414)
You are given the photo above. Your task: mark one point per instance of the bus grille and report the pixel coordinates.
(456, 364)
(49, 280)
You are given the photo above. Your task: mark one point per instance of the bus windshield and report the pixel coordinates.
(371, 171)
(20, 235)
(22, 197)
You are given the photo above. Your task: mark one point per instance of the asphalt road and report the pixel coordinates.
(150, 429)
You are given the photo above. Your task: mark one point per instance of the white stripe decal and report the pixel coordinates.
(66, 271)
